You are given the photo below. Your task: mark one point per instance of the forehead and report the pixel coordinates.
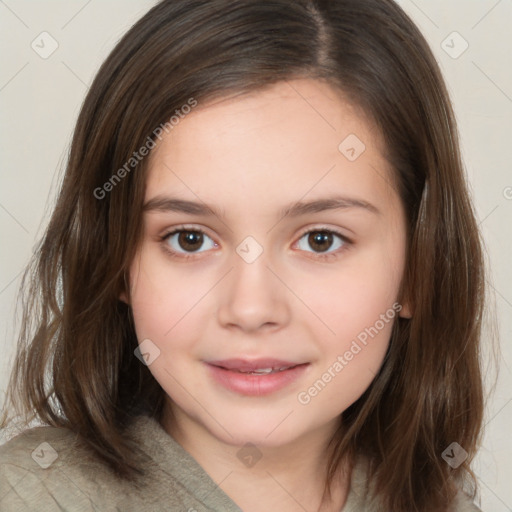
(294, 138)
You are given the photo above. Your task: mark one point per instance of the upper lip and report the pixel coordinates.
(246, 365)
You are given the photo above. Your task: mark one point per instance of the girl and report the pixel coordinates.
(262, 284)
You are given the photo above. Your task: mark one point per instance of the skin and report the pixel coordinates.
(250, 156)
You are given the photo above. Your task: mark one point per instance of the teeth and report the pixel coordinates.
(266, 371)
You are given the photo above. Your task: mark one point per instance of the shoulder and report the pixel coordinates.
(463, 503)
(45, 468)
(362, 493)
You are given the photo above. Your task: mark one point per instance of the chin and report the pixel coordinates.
(271, 431)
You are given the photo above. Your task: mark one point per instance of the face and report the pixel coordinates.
(264, 318)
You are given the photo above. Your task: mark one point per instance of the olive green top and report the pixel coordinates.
(43, 469)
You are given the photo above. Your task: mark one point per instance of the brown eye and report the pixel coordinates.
(190, 240)
(183, 241)
(320, 240)
(323, 242)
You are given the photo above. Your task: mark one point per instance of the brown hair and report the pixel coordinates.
(428, 392)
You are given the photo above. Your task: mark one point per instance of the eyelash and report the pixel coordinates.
(184, 256)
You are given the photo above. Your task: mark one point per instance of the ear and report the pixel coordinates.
(406, 311)
(123, 296)
(404, 299)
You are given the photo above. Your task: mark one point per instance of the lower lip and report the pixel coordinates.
(256, 385)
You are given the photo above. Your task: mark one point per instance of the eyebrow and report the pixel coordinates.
(171, 204)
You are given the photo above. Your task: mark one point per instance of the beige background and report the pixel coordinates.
(40, 98)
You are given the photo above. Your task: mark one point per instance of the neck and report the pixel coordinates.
(287, 478)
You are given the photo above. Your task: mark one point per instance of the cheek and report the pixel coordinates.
(357, 308)
(351, 358)
(352, 299)
(155, 304)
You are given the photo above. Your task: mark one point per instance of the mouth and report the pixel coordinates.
(261, 371)
(256, 377)
(258, 366)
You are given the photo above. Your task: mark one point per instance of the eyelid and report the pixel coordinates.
(329, 255)
(312, 229)
(185, 227)
(320, 228)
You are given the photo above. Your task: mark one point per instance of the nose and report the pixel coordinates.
(253, 298)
